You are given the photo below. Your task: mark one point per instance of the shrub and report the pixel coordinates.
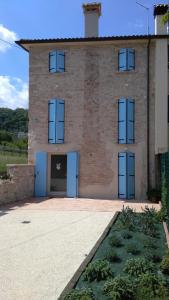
(83, 294)
(112, 256)
(133, 248)
(119, 288)
(127, 218)
(164, 198)
(149, 227)
(154, 195)
(115, 241)
(151, 213)
(150, 287)
(97, 270)
(138, 266)
(165, 264)
(126, 235)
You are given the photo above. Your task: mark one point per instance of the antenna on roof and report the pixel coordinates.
(147, 8)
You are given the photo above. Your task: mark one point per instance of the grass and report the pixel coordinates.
(117, 267)
(11, 158)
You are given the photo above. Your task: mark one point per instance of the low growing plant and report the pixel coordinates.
(126, 235)
(152, 256)
(119, 288)
(133, 248)
(138, 266)
(165, 264)
(97, 270)
(115, 241)
(149, 244)
(112, 256)
(83, 294)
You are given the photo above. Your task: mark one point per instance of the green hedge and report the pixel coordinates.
(164, 172)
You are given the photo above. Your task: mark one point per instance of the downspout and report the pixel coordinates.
(148, 117)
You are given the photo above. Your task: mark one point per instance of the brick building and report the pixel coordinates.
(98, 111)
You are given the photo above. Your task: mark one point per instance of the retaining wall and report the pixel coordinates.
(20, 186)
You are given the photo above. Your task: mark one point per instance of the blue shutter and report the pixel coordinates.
(130, 59)
(130, 175)
(72, 174)
(123, 59)
(60, 61)
(122, 121)
(56, 121)
(126, 175)
(41, 174)
(52, 122)
(122, 170)
(60, 115)
(52, 61)
(130, 121)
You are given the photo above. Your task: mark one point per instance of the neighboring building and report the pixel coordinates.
(98, 111)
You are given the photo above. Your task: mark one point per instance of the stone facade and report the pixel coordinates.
(91, 87)
(20, 186)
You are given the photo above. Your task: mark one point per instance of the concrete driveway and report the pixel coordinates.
(42, 243)
(40, 249)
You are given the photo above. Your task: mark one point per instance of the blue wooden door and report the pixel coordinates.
(130, 175)
(122, 170)
(41, 174)
(126, 175)
(72, 174)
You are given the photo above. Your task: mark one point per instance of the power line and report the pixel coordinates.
(11, 44)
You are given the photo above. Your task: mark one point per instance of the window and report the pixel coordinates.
(126, 121)
(126, 175)
(126, 59)
(56, 121)
(57, 61)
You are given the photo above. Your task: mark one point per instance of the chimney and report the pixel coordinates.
(92, 12)
(159, 11)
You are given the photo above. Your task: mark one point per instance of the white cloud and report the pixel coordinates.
(8, 36)
(13, 92)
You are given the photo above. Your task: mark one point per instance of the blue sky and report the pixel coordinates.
(56, 18)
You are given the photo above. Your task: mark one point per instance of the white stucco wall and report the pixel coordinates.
(161, 96)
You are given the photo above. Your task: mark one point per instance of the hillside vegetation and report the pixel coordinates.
(13, 137)
(14, 120)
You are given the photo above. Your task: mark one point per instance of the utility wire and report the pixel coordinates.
(11, 44)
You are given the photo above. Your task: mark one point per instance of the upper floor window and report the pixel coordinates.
(57, 61)
(126, 59)
(56, 119)
(126, 121)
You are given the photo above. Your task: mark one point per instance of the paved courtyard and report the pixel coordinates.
(42, 243)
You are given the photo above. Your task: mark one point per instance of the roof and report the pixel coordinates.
(24, 43)
(160, 9)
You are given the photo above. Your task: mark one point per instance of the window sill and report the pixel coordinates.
(126, 72)
(57, 73)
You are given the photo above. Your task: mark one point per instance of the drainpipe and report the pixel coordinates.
(148, 117)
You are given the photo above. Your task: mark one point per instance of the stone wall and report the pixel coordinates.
(20, 186)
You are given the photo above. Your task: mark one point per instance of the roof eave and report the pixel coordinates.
(25, 44)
